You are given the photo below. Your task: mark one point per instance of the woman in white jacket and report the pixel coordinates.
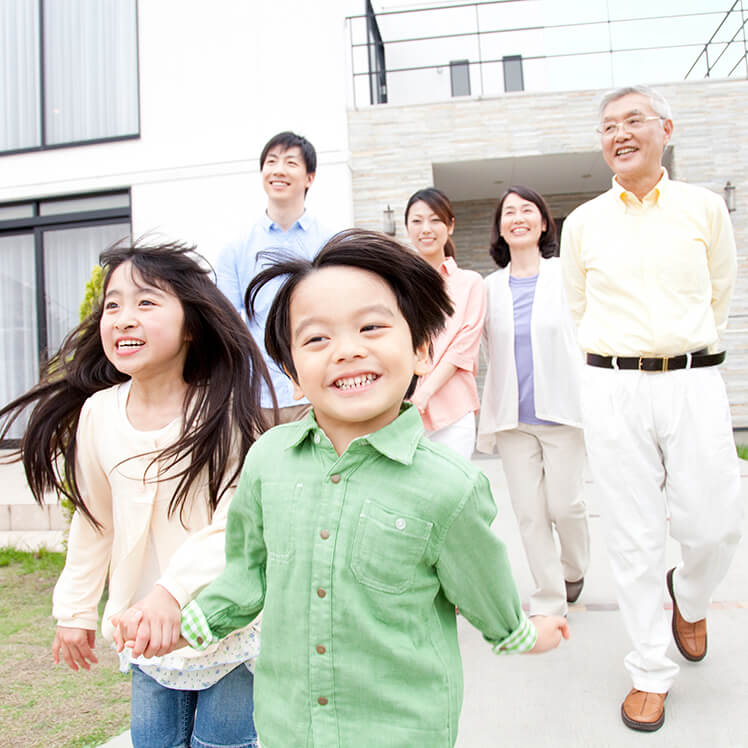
(530, 410)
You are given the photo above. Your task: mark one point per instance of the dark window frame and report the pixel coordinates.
(375, 53)
(43, 146)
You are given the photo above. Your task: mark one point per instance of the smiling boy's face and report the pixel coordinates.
(352, 350)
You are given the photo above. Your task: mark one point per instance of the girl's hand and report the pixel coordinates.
(76, 647)
(151, 627)
(420, 399)
(550, 630)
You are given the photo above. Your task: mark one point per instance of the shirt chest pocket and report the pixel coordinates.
(278, 520)
(387, 547)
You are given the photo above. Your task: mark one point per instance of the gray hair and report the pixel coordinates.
(656, 100)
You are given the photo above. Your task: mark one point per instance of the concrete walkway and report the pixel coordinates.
(571, 697)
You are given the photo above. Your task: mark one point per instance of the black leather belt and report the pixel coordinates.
(642, 363)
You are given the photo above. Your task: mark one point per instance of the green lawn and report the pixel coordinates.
(47, 705)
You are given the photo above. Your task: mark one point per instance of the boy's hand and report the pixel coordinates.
(76, 647)
(550, 630)
(152, 627)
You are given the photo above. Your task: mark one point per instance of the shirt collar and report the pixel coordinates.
(303, 222)
(397, 440)
(625, 198)
(448, 266)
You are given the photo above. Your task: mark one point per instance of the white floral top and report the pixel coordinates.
(193, 673)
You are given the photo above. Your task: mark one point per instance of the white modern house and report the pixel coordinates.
(133, 117)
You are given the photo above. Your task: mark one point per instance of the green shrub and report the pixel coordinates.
(93, 292)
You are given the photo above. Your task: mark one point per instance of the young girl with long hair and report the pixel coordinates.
(447, 397)
(142, 419)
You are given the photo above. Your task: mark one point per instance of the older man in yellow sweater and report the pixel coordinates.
(649, 268)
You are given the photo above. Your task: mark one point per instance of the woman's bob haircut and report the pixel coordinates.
(548, 242)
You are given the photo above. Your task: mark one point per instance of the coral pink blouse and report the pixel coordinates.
(458, 343)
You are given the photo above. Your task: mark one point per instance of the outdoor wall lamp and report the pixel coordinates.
(730, 196)
(388, 221)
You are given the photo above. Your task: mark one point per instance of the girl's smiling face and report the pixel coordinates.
(428, 232)
(142, 327)
(352, 350)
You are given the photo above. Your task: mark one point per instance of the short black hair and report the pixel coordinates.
(548, 242)
(288, 139)
(419, 289)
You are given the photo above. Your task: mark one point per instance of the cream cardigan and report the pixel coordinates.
(557, 359)
(132, 511)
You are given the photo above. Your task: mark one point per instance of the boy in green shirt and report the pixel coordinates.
(354, 534)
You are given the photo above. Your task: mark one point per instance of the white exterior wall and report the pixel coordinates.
(216, 82)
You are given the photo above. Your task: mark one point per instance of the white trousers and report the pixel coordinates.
(460, 435)
(544, 468)
(661, 447)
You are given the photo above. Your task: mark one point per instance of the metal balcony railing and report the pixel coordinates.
(497, 46)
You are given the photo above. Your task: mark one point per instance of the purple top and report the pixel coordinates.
(523, 294)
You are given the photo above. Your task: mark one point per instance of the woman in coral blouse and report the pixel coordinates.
(447, 397)
(531, 407)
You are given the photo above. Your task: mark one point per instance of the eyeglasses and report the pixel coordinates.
(630, 124)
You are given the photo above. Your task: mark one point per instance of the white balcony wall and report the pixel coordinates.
(564, 45)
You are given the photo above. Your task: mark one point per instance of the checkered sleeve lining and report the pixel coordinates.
(522, 639)
(195, 628)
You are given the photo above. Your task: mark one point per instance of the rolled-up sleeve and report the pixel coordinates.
(463, 350)
(476, 575)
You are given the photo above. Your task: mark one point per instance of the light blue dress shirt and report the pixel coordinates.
(241, 260)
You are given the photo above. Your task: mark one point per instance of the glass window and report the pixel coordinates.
(69, 257)
(44, 269)
(84, 204)
(513, 78)
(89, 90)
(459, 73)
(13, 212)
(19, 360)
(20, 123)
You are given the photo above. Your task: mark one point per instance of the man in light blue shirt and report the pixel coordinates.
(288, 163)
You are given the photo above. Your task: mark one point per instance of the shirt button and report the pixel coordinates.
(324, 534)
(321, 592)
(322, 701)
(400, 523)
(320, 649)
(316, 438)
(335, 478)
(199, 639)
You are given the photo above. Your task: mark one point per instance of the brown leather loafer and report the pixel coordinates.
(690, 638)
(643, 710)
(573, 590)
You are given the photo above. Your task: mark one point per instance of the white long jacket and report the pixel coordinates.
(557, 358)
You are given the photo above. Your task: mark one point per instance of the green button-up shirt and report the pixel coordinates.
(358, 561)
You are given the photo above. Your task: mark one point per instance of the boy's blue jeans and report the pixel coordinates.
(218, 717)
